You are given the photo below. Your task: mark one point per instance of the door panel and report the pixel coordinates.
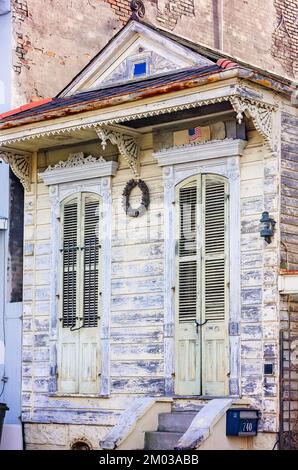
(202, 287)
(68, 361)
(188, 379)
(80, 304)
(89, 361)
(214, 369)
(214, 286)
(188, 357)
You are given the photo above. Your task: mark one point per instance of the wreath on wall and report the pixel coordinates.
(144, 202)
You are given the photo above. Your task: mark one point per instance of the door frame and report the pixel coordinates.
(179, 163)
(200, 334)
(61, 186)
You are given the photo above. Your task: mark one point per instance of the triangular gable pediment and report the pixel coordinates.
(138, 51)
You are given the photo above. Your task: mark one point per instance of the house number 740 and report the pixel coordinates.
(246, 427)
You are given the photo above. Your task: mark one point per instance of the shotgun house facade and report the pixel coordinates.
(149, 288)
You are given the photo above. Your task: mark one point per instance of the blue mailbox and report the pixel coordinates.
(242, 422)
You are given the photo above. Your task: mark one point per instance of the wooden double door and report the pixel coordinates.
(202, 286)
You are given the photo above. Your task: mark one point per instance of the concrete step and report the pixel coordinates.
(175, 422)
(161, 440)
(188, 405)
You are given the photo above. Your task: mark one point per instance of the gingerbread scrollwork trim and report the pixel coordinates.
(75, 160)
(127, 145)
(260, 112)
(20, 164)
(261, 115)
(139, 211)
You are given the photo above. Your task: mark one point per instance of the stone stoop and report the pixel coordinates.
(172, 426)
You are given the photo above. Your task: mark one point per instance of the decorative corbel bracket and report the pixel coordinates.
(260, 113)
(20, 163)
(127, 144)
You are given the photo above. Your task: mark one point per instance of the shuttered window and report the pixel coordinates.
(69, 250)
(188, 253)
(202, 249)
(214, 251)
(91, 262)
(81, 261)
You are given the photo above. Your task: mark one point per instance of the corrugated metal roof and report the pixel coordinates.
(117, 90)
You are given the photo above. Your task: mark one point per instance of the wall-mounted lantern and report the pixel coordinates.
(267, 226)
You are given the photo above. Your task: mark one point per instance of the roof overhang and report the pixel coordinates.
(253, 102)
(239, 94)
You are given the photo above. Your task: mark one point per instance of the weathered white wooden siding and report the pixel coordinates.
(289, 190)
(136, 348)
(137, 303)
(259, 274)
(137, 285)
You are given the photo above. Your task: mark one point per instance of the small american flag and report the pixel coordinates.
(194, 134)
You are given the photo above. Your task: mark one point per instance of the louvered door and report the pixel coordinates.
(201, 288)
(188, 253)
(68, 343)
(89, 340)
(214, 286)
(78, 342)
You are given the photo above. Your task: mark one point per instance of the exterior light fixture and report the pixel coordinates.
(267, 226)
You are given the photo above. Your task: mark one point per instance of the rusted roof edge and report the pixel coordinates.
(95, 104)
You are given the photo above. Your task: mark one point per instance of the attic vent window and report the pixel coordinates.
(140, 69)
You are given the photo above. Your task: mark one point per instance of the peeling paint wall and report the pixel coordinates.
(137, 304)
(289, 190)
(54, 40)
(259, 281)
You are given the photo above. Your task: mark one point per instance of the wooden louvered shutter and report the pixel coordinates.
(91, 262)
(214, 284)
(70, 258)
(89, 356)
(188, 253)
(78, 345)
(187, 341)
(68, 344)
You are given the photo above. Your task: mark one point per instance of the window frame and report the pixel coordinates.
(62, 186)
(80, 269)
(220, 158)
(137, 59)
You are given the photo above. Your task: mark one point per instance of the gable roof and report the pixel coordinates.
(136, 40)
(103, 97)
(208, 53)
(69, 101)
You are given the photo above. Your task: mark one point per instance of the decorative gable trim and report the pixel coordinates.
(135, 38)
(78, 168)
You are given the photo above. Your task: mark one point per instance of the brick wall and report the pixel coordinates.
(285, 37)
(53, 41)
